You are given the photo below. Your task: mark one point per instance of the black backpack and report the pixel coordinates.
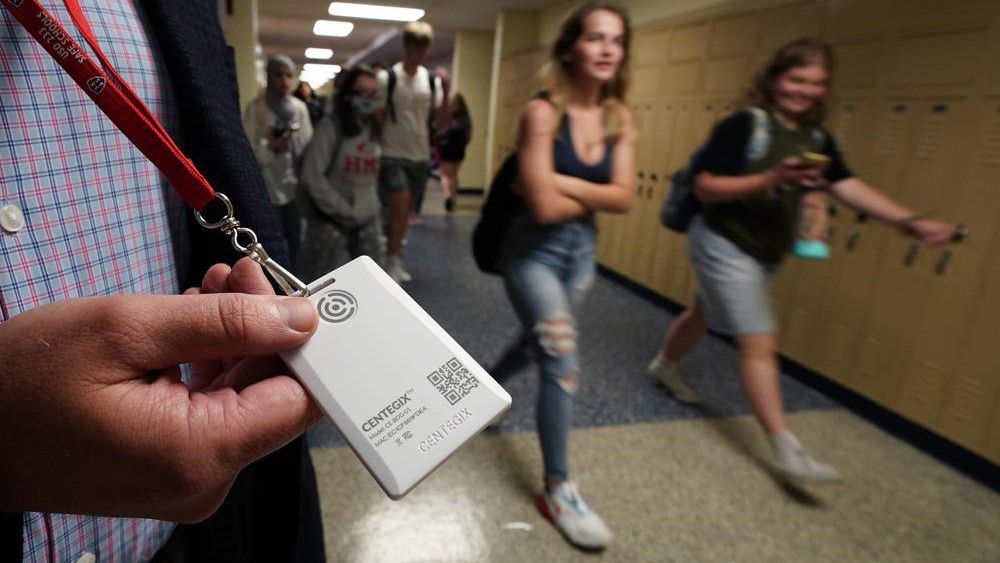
(681, 205)
(496, 217)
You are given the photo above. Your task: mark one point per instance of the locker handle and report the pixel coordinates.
(861, 217)
(942, 265)
(852, 239)
(961, 231)
(911, 254)
(642, 174)
(649, 192)
(654, 177)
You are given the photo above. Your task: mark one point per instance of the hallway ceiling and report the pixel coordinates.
(286, 27)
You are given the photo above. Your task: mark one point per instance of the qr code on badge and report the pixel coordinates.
(453, 381)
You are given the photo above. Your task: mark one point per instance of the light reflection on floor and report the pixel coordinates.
(442, 524)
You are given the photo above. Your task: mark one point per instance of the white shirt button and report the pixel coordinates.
(11, 218)
(87, 557)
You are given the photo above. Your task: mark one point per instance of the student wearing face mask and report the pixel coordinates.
(340, 177)
(279, 130)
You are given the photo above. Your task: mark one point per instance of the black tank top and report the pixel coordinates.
(569, 164)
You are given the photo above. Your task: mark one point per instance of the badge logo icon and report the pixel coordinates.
(97, 84)
(337, 306)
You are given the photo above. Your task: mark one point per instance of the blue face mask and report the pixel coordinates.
(365, 107)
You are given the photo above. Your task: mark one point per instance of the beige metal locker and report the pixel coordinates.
(971, 411)
(689, 42)
(631, 233)
(669, 256)
(852, 20)
(856, 245)
(933, 159)
(956, 276)
(781, 25)
(732, 36)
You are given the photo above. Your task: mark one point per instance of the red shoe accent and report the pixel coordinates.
(544, 507)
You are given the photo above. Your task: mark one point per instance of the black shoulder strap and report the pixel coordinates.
(390, 88)
(433, 80)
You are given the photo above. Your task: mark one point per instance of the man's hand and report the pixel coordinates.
(95, 418)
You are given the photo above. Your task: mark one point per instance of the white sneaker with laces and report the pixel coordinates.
(794, 462)
(566, 509)
(665, 372)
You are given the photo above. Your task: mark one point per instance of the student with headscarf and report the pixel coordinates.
(279, 129)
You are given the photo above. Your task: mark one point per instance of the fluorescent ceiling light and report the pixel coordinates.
(329, 28)
(317, 53)
(373, 12)
(320, 69)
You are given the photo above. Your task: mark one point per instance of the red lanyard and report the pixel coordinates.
(121, 104)
(113, 95)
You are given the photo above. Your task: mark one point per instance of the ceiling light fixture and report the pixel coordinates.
(373, 12)
(320, 69)
(318, 53)
(329, 28)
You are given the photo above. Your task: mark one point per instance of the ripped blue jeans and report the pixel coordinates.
(549, 270)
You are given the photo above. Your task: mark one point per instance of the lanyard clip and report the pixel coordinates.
(229, 225)
(290, 284)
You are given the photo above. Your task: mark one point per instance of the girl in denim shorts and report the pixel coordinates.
(748, 225)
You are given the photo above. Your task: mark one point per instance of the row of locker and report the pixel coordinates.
(885, 317)
(918, 116)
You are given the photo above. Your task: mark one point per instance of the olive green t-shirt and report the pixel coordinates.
(761, 224)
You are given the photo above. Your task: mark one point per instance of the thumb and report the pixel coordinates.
(176, 329)
(265, 416)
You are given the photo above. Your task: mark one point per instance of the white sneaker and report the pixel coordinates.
(566, 509)
(665, 372)
(395, 269)
(794, 463)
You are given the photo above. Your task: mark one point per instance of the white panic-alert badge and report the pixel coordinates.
(403, 393)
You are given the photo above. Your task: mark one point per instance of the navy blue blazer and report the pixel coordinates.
(272, 511)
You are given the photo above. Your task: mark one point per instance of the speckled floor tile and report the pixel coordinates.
(683, 490)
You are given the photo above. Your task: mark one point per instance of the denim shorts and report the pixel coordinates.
(399, 175)
(733, 287)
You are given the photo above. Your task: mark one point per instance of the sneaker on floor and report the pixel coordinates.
(665, 372)
(449, 204)
(394, 267)
(794, 463)
(568, 512)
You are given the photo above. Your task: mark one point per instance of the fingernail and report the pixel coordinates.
(298, 313)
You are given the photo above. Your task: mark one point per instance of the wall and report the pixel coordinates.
(515, 32)
(241, 31)
(471, 74)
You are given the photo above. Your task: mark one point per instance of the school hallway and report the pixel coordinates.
(674, 483)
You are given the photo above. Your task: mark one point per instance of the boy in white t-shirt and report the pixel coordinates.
(413, 97)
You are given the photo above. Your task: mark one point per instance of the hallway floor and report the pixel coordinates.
(674, 483)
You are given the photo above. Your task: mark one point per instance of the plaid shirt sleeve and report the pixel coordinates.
(99, 219)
